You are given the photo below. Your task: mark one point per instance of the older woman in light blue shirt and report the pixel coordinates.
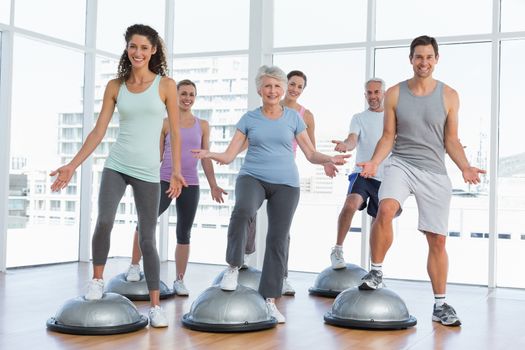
(269, 172)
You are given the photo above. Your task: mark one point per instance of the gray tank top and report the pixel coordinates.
(421, 129)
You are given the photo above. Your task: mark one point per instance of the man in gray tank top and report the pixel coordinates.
(421, 124)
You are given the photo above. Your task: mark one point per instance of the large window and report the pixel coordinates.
(65, 14)
(511, 19)
(333, 94)
(210, 25)
(411, 18)
(511, 181)
(5, 11)
(468, 224)
(307, 22)
(44, 89)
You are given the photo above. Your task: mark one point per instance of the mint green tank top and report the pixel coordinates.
(136, 152)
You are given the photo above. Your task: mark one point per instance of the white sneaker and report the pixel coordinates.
(133, 274)
(180, 289)
(95, 289)
(272, 310)
(338, 261)
(157, 317)
(287, 288)
(229, 279)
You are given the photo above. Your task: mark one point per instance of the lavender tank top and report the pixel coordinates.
(294, 142)
(191, 138)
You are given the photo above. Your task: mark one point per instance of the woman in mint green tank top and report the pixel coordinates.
(143, 95)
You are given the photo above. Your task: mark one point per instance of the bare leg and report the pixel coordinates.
(98, 271)
(136, 253)
(182, 253)
(437, 263)
(154, 297)
(382, 233)
(352, 203)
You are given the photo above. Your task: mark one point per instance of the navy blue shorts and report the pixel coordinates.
(366, 188)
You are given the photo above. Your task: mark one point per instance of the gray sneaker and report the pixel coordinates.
(372, 280)
(446, 315)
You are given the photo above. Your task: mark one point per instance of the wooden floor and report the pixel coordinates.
(492, 319)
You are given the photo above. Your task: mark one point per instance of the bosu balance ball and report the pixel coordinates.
(135, 290)
(112, 314)
(375, 309)
(241, 310)
(330, 282)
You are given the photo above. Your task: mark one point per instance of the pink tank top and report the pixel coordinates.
(191, 138)
(294, 142)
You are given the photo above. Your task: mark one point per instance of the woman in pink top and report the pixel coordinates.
(194, 134)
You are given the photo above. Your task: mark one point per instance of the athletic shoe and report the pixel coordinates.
(229, 279)
(272, 310)
(287, 288)
(446, 315)
(95, 289)
(157, 317)
(180, 289)
(338, 261)
(133, 274)
(372, 280)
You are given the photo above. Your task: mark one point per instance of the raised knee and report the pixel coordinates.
(387, 210)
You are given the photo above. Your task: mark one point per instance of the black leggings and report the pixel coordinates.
(186, 205)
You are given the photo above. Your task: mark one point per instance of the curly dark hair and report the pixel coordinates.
(157, 63)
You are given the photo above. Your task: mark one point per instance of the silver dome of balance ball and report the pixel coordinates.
(369, 309)
(241, 310)
(330, 282)
(112, 314)
(135, 290)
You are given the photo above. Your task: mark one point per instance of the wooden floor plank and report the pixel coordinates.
(492, 319)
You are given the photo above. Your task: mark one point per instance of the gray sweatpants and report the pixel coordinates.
(282, 202)
(146, 194)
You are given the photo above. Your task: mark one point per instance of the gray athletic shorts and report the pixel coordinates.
(432, 192)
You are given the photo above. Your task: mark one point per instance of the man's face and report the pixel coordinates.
(374, 96)
(423, 61)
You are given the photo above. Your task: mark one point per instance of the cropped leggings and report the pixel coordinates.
(186, 205)
(282, 202)
(112, 187)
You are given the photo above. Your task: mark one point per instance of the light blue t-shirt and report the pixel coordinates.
(270, 155)
(368, 126)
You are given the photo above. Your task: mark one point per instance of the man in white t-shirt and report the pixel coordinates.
(366, 129)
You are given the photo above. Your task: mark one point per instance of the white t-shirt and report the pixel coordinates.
(368, 126)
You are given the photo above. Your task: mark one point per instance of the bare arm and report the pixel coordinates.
(309, 120)
(94, 138)
(227, 156)
(314, 157)
(349, 144)
(453, 146)
(207, 165)
(386, 142)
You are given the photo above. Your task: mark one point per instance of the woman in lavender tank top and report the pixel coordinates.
(194, 134)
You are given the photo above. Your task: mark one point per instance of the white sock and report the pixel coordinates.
(439, 299)
(376, 266)
(338, 247)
